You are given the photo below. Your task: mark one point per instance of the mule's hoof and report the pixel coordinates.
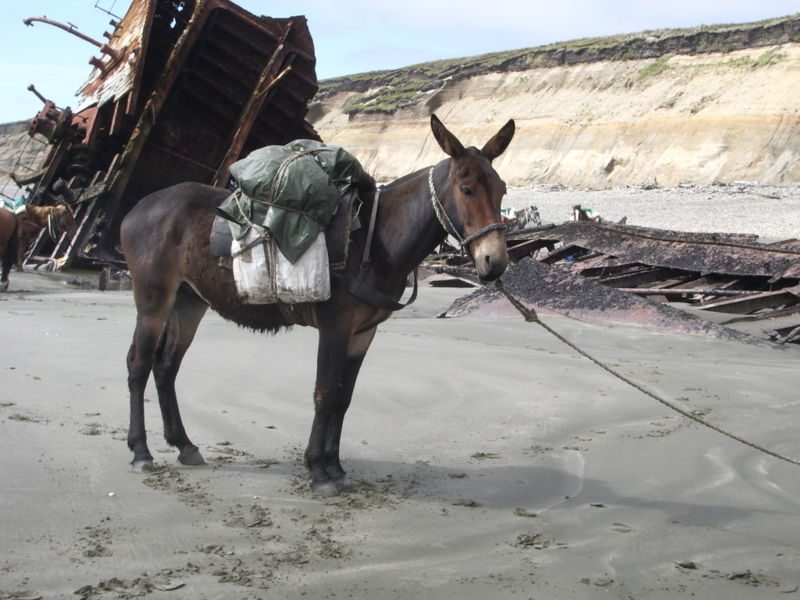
(191, 457)
(3, 286)
(326, 489)
(143, 466)
(342, 484)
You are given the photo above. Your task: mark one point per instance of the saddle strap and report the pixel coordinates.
(368, 294)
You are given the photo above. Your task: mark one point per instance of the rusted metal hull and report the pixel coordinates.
(577, 263)
(188, 88)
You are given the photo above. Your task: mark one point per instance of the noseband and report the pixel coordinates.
(447, 224)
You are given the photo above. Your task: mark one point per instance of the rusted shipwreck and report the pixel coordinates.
(732, 275)
(179, 91)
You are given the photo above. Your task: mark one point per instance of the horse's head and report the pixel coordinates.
(60, 220)
(472, 198)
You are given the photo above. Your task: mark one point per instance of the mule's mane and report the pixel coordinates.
(405, 178)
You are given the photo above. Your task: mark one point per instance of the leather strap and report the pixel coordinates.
(356, 285)
(362, 291)
(367, 259)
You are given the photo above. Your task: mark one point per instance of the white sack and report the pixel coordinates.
(264, 275)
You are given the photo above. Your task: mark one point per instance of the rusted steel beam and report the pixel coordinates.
(792, 336)
(786, 297)
(565, 251)
(640, 277)
(671, 291)
(220, 109)
(32, 88)
(775, 314)
(610, 266)
(703, 253)
(270, 76)
(699, 282)
(157, 99)
(519, 251)
(104, 48)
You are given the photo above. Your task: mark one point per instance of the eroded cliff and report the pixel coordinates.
(712, 104)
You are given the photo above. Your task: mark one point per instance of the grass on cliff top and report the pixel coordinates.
(390, 90)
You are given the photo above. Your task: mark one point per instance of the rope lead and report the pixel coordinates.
(531, 317)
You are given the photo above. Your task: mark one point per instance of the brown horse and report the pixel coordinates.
(17, 232)
(9, 241)
(165, 239)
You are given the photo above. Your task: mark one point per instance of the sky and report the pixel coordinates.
(353, 36)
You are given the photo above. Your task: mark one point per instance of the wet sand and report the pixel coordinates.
(489, 461)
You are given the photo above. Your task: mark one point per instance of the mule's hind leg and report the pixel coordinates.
(175, 339)
(153, 307)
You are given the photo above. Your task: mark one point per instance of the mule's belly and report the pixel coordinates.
(211, 278)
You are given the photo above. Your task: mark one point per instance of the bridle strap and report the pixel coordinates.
(447, 224)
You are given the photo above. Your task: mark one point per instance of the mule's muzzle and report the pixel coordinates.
(491, 257)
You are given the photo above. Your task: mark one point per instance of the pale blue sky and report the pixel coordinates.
(352, 36)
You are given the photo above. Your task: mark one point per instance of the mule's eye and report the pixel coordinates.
(466, 191)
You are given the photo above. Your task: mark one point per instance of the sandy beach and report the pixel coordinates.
(489, 461)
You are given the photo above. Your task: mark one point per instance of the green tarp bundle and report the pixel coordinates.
(292, 190)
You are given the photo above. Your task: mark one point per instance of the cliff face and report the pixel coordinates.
(652, 108)
(694, 106)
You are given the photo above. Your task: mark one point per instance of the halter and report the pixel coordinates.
(359, 289)
(447, 224)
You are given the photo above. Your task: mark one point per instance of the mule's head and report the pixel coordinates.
(473, 206)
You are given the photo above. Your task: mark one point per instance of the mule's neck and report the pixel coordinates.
(407, 229)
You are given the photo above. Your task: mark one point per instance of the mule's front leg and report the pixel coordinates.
(357, 350)
(331, 362)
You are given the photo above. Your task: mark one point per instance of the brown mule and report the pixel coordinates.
(165, 239)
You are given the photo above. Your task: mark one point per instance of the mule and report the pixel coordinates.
(165, 240)
(17, 231)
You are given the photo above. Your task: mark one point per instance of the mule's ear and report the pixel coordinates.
(498, 144)
(448, 142)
